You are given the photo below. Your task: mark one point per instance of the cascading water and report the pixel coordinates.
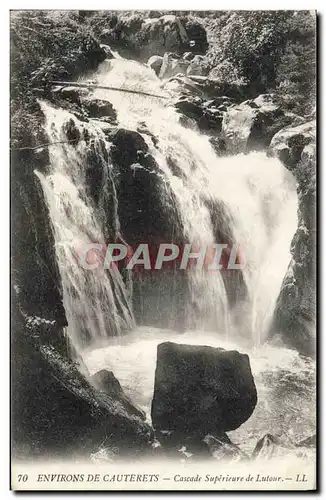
(257, 195)
(96, 302)
(249, 200)
(250, 197)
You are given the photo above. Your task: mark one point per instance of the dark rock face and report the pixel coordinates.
(105, 381)
(146, 206)
(265, 446)
(56, 410)
(35, 274)
(108, 52)
(289, 144)
(143, 215)
(54, 407)
(295, 313)
(127, 146)
(71, 131)
(201, 390)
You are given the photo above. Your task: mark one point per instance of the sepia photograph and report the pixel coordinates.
(163, 250)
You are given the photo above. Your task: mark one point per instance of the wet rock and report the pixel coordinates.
(224, 449)
(172, 65)
(128, 145)
(201, 390)
(105, 381)
(142, 129)
(98, 108)
(155, 62)
(206, 116)
(252, 124)
(61, 413)
(156, 34)
(93, 54)
(183, 86)
(147, 212)
(35, 274)
(71, 131)
(94, 168)
(193, 108)
(295, 312)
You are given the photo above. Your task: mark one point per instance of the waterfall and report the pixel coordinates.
(248, 200)
(96, 301)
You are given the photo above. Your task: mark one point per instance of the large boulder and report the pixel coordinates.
(128, 146)
(35, 274)
(295, 312)
(252, 124)
(201, 390)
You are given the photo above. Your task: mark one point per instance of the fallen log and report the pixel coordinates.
(93, 86)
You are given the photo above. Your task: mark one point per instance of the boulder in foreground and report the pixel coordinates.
(201, 390)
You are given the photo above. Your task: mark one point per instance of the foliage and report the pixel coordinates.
(45, 45)
(270, 50)
(265, 50)
(296, 73)
(49, 44)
